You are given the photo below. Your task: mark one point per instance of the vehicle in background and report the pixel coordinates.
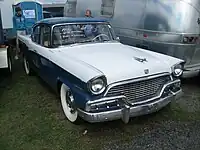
(98, 78)
(5, 50)
(32, 10)
(47, 14)
(170, 27)
(55, 11)
(54, 7)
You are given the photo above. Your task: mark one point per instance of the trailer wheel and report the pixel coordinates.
(9, 69)
(9, 65)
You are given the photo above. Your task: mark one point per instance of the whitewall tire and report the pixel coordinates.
(68, 106)
(27, 68)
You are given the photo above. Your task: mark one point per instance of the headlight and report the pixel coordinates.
(97, 85)
(177, 70)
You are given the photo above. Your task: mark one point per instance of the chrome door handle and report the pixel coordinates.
(35, 51)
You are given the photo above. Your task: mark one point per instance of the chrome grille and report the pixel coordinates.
(140, 90)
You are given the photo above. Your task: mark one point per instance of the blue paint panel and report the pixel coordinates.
(51, 73)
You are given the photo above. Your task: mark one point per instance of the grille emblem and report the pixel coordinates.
(140, 59)
(146, 71)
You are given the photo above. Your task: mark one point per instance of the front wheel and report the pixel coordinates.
(68, 106)
(27, 68)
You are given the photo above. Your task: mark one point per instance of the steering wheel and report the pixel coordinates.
(100, 35)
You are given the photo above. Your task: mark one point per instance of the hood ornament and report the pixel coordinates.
(140, 59)
(146, 71)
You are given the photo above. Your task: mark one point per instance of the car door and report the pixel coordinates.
(47, 68)
(33, 54)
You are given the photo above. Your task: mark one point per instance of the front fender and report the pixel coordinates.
(77, 68)
(80, 93)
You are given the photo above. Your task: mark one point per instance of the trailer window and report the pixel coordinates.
(174, 16)
(70, 8)
(107, 8)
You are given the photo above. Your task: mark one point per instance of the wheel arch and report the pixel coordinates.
(80, 95)
(61, 81)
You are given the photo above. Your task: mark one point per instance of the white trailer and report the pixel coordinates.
(7, 31)
(6, 23)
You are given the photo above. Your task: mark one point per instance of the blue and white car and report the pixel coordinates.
(98, 78)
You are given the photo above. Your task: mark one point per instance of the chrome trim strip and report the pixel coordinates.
(61, 24)
(154, 41)
(134, 80)
(159, 32)
(106, 99)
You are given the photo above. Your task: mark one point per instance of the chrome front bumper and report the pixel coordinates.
(128, 110)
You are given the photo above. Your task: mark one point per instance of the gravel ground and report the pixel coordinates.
(173, 135)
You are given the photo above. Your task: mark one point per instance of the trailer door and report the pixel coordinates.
(107, 8)
(70, 8)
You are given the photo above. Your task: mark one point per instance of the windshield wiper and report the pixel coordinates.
(81, 42)
(85, 41)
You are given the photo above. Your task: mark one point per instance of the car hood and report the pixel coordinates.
(116, 61)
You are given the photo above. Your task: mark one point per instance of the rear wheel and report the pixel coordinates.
(26, 65)
(9, 62)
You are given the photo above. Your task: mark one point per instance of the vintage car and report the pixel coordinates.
(97, 78)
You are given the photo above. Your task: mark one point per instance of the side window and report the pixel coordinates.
(107, 8)
(45, 36)
(36, 34)
(70, 8)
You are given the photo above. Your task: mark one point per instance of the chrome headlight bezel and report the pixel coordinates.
(95, 82)
(177, 70)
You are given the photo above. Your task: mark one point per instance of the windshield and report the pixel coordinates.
(81, 33)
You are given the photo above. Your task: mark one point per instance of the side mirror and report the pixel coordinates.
(32, 37)
(118, 39)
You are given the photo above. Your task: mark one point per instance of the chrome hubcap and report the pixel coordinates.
(70, 102)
